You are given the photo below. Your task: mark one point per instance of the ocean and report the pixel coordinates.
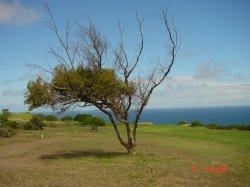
(231, 115)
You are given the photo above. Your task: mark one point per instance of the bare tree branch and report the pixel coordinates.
(82, 78)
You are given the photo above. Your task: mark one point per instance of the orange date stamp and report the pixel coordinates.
(210, 169)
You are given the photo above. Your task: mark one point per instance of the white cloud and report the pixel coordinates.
(13, 99)
(209, 86)
(209, 70)
(183, 78)
(15, 13)
(202, 94)
(190, 53)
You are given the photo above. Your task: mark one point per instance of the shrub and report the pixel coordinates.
(88, 121)
(243, 127)
(228, 127)
(182, 123)
(196, 123)
(95, 122)
(67, 118)
(12, 124)
(98, 121)
(212, 126)
(145, 123)
(81, 118)
(41, 116)
(7, 132)
(35, 123)
(32, 126)
(3, 118)
(51, 119)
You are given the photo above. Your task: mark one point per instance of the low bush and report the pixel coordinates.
(212, 126)
(182, 123)
(229, 127)
(145, 123)
(95, 122)
(98, 121)
(7, 132)
(35, 123)
(87, 121)
(32, 126)
(3, 118)
(243, 127)
(196, 123)
(82, 118)
(67, 118)
(12, 124)
(41, 116)
(51, 119)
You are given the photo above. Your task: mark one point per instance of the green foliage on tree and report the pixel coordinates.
(51, 119)
(67, 118)
(95, 122)
(88, 120)
(81, 118)
(41, 116)
(182, 123)
(91, 72)
(196, 123)
(98, 121)
(89, 84)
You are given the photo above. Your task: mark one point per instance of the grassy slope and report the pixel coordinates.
(20, 116)
(165, 156)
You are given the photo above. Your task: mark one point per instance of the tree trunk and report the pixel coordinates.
(130, 148)
(130, 145)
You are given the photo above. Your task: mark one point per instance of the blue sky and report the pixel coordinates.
(213, 64)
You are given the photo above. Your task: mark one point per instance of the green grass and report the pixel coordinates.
(164, 157)
(20, 116)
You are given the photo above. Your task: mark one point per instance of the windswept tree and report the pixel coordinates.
(91, 72)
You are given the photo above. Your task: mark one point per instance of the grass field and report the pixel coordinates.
(69, 155)
(20, 116)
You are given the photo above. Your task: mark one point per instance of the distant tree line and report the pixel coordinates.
(38, 122)
(197, 123)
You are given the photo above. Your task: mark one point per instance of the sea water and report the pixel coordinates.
(231, 115)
